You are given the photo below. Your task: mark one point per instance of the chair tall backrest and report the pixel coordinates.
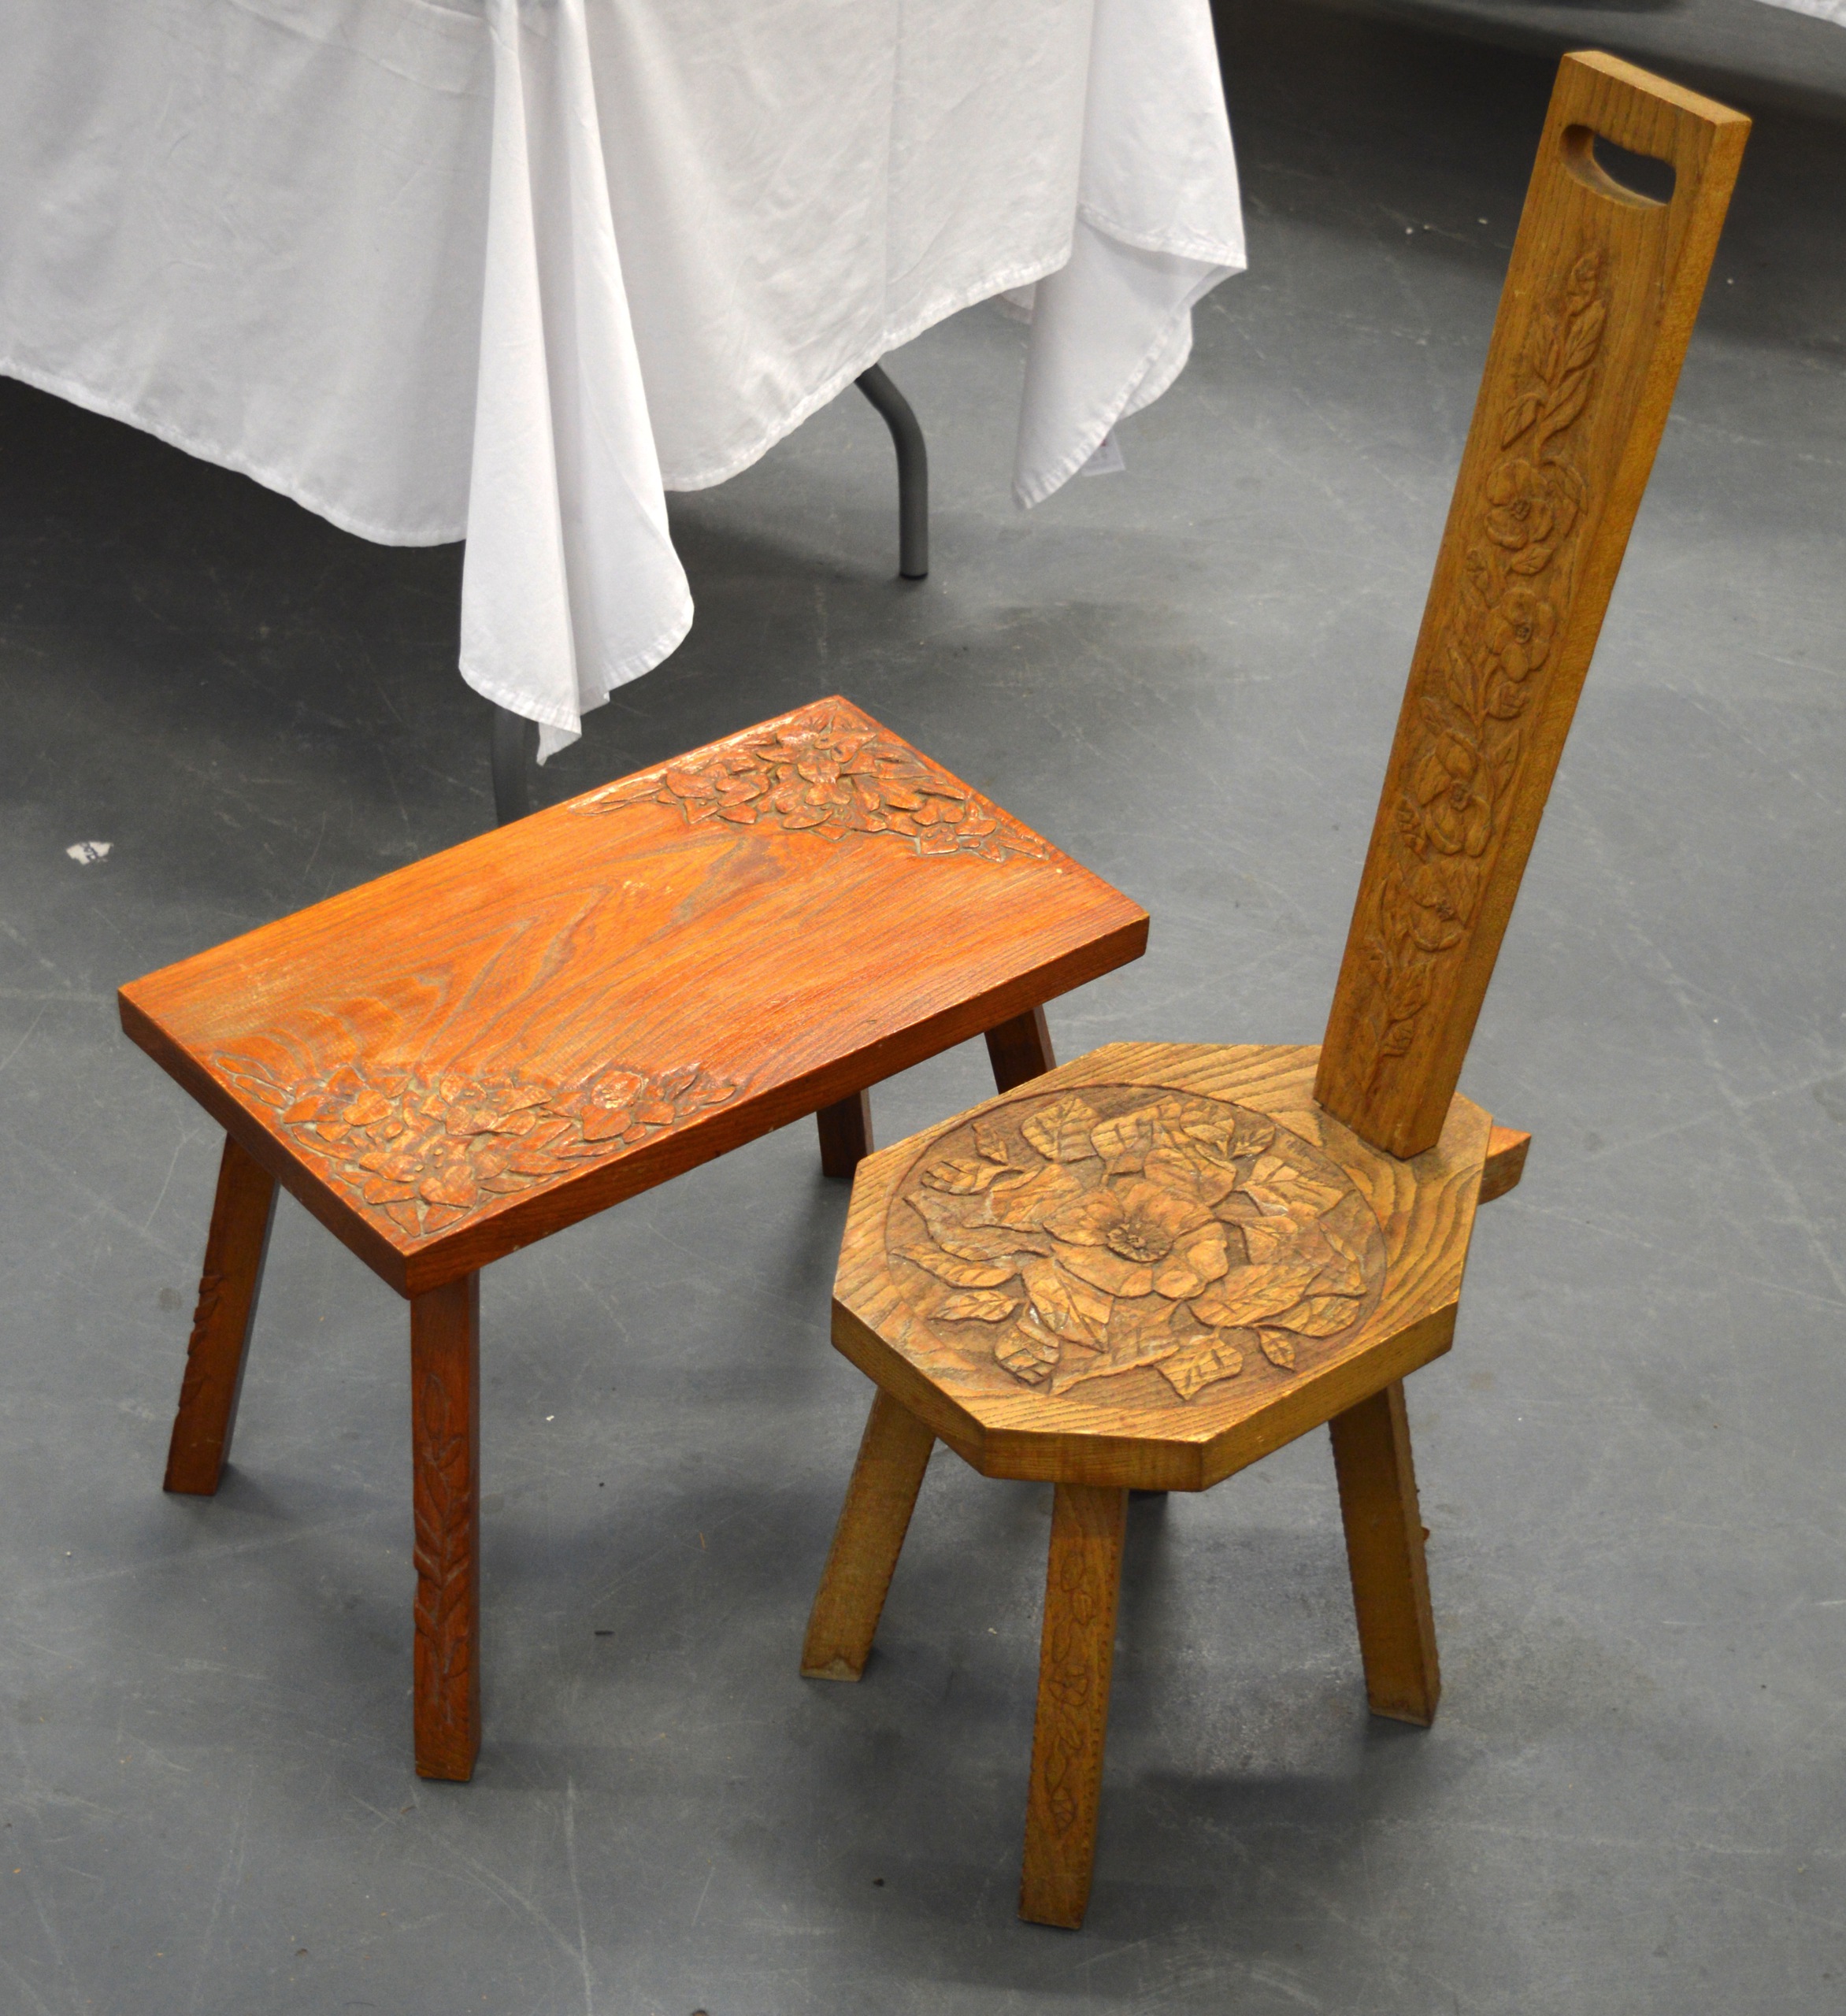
(1593, 322)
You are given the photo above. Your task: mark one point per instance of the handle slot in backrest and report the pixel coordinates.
(1616, 171)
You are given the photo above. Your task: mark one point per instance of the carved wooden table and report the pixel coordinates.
(479, 1050)
(1163, 1261)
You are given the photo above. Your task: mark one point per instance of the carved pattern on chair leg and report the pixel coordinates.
(1075, 1659)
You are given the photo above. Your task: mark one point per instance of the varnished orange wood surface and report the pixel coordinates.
(1593, 323)
(445, 1436)
(1384, 1540)
(893, 1456)
(243, 1212)
(1077, 1658)
(465, 1056)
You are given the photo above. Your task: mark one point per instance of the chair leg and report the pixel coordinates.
(445, 1425)
(1385, 1536)
(511, 756)
(1075, 1658)
(235, 1247)
(1021, 1050)
(913, 472)
(893, 1454)
(846, 1134)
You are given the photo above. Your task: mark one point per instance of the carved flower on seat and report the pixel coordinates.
(1145, 1239)
(1519, 632)
(1076, 1237)
(1457, 816)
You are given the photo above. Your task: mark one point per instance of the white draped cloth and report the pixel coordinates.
(509, 270)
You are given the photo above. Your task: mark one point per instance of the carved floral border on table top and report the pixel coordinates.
(828, 771)
(429, 1153)
(1514, 593)
(1081, 1235)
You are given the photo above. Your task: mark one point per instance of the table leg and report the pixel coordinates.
(893, 1454)
(445, 1422)
(913, 472)
(1075, 1657)
(243, 1212)
(512, 756)
(1385, 1536)
(1021, 1050)
(846, 1134)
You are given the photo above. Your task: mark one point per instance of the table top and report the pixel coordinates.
(468, 1054)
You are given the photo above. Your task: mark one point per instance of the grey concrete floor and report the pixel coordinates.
(1633, 1800)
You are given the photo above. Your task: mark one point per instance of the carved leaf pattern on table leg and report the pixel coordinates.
(197, 1375)
(426, 1153)
(831, 771)
(1080, 1235)
(444, 1557)
(1516, 594)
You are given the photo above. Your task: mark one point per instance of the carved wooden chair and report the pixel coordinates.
(1163, 1261)
(479, 1050)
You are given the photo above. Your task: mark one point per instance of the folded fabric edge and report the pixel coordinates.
(1229, 252)
(1137, 391)
(895, 337)
(559, 728)
(109, 407)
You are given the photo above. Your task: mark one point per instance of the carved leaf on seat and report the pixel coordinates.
(1059, 1240)
(830, 772)
(426, 1154)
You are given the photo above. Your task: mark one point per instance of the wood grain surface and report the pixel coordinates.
(1506, 1148)
(243, 1212)
(1385, 1541)
(469, 1054)
(1076, 1657)
(893, 1456)
(445, 1438)
(1593, 323)
(1151, 1266)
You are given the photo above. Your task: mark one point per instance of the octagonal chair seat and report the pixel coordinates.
(1155, 1265)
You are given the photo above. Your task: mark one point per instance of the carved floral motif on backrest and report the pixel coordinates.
(1516, 579)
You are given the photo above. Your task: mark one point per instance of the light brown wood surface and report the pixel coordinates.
(893, 1456)
(1076, 1657)
(243, 1212)
(1385, 1541)
(469, 1054)
(1151, 1266)
(1303, 1268)
(1598, 306)
(445, 1438)
(1505, 1162)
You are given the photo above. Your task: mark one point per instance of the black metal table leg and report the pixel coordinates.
(514, 751)
(913, 472)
